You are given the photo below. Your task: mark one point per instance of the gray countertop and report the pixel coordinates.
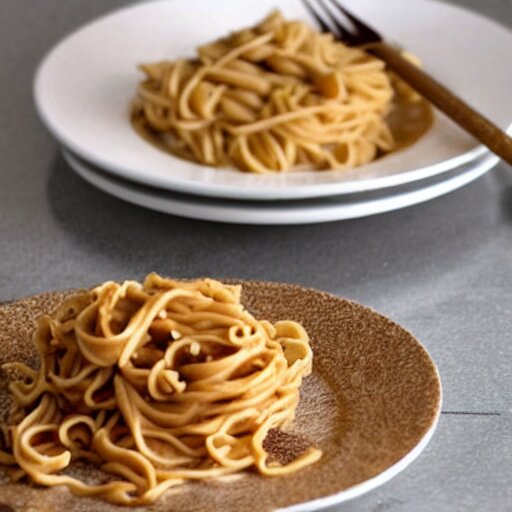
(442, 269)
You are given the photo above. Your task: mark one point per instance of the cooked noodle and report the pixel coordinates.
(156, 384)
(270, 98)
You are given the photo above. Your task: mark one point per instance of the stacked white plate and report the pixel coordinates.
(84, 87)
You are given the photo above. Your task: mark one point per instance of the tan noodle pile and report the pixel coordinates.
(156, 384)
(269, 98)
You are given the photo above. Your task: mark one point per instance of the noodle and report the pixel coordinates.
(156, 384)
(269, 99)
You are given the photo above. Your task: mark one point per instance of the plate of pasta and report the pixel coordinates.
(259, 105)
(205, 395)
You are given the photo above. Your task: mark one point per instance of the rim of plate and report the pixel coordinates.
(232, 184)
(236, 212)
(381, 478)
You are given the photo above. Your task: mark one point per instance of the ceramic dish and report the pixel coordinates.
(84, 87)
(371, 404)
(280, 212)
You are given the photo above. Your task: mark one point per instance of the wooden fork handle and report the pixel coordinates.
(459, 111)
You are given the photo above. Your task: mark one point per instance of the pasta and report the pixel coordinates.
(269, 99)
(157, 384)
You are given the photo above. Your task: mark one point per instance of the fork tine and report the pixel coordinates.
(345, 34)
(341, 31)
(365, 30)
(318, 18)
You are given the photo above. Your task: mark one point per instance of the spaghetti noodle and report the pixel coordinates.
(156, 384)
(268, 99)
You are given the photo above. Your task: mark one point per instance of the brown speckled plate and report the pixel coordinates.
(371, 405)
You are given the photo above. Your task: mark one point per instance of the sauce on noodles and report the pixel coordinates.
(408, 122)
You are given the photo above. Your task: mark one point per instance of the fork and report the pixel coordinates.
(332, 17)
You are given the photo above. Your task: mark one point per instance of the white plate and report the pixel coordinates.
(84, 86)
(278, 212)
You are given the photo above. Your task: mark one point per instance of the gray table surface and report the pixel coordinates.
(443, 269)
